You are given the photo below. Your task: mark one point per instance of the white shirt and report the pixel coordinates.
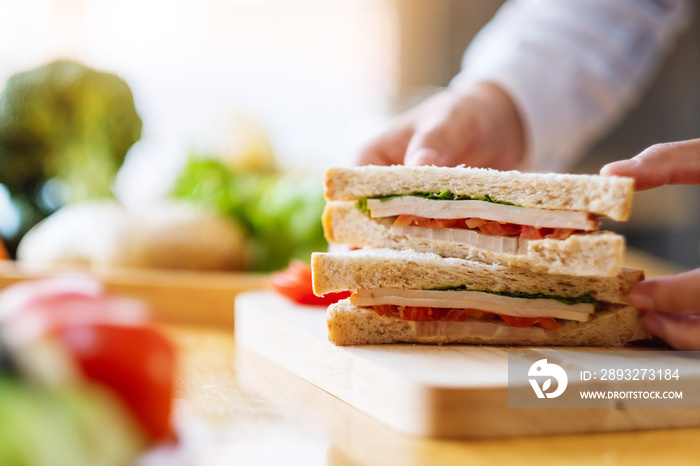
(573, 67)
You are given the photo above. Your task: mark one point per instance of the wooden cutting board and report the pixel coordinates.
(454, 391)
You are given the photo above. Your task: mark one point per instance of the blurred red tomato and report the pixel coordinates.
(296, 283)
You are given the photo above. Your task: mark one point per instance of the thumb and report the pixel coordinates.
(680, 331)
(673, 294)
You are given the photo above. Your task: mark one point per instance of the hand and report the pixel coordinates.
(478, 126)
(671, 304)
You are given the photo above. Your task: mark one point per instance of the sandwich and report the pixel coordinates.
(549, 223)
(415, 297)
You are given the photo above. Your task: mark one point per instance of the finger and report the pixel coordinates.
(388, 149)
(425, 156)
(376, 156)
(661, 164)
(675, 293)
(444, 135)
(448, 141)
(680, 331)
(429, 148)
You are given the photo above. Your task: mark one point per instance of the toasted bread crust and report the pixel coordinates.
(358, 325)
(600, 195)
(590, 254)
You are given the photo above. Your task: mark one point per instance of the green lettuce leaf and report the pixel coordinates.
(444, 195)
(586, 298)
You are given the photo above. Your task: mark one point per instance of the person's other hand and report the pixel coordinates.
(672, 303)
(479, 126)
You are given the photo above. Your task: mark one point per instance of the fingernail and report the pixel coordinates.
(424, 156)
(641, 301)
(621, 166)
(654, 323)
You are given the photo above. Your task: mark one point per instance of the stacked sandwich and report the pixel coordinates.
(467, 255)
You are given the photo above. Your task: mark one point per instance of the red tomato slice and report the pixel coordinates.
(419, 313)
(501, 229)
(492, 229)
(429, 314)
(449, 223)
(296, 283)
(549, 323)
(475, 222)
(136, 363)
(422, 222)
(403, 220)
(486, 227)
(561, 233)
(386, 310)
(545, 322)
(412, 220)
(456, 315)
(529, 232)
(483, 315)
(519, 321)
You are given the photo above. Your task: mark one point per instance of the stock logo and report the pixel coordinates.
(541, 369)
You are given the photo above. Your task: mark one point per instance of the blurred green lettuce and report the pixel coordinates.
(280, 211)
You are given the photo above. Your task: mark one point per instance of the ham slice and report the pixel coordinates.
(457, 299)
(540, 218)
(499, 244)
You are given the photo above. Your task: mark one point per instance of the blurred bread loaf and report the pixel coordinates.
(103, 234)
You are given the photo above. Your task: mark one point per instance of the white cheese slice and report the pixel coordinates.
(499, 244)
(456, 299)
(428, 208)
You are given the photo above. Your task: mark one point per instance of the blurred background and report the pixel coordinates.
(310, 81)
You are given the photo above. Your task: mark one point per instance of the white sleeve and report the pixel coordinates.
(573, 67)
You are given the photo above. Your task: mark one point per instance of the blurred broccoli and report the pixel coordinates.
(67, 122)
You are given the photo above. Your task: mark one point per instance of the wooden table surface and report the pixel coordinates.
(236, 408)
(233, 407)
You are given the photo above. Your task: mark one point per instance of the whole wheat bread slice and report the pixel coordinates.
(599, 195)
(386, 268)
(357, 325)
(588, 254)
